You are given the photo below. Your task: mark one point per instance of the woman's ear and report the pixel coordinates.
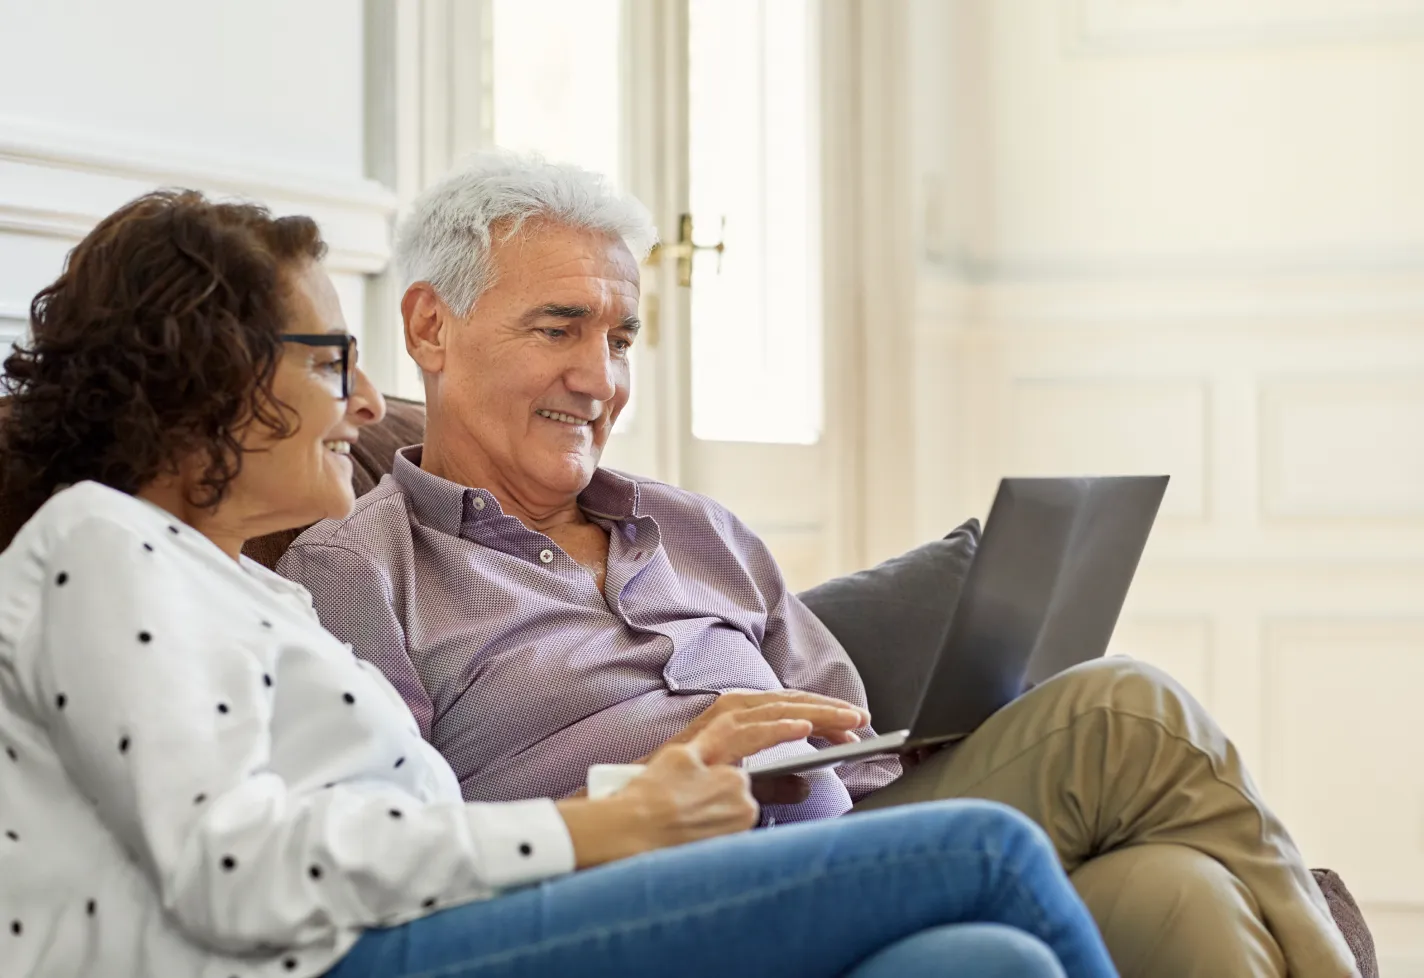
(427, 326)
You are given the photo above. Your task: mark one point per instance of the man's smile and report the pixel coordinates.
(562, 418)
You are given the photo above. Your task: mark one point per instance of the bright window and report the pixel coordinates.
(754, 161)
(557, 80)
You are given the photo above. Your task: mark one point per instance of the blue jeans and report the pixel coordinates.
(887, 893)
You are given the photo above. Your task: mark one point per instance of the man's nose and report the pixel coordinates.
(591, 371)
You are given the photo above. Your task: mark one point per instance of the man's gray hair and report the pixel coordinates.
(446, 238)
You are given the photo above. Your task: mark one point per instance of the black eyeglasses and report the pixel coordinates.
(345, 341)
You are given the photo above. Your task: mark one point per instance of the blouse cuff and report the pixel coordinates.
(522, 841)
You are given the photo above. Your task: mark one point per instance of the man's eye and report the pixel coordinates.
(554, 332)
(621, 346)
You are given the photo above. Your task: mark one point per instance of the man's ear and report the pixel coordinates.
(427, 327)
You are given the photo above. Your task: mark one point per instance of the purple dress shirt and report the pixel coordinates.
(522, 673)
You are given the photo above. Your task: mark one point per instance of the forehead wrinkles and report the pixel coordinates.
(542, 260)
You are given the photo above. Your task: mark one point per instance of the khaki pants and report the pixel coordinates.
(1185, 869)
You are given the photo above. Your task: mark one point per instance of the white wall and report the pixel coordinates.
(1189, 237)
(101, 101)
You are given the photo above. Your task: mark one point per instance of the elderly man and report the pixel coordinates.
(540, 613)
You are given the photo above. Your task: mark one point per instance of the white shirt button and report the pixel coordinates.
(547, 556)
(479, 502)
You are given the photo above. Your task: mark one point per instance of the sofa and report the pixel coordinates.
(404, 424)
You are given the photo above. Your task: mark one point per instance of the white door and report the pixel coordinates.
(709, 113)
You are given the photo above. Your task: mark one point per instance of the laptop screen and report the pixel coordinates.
(1043, 593)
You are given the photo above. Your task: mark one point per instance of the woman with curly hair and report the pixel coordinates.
(197, 779)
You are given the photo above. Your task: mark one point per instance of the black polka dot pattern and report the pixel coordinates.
(525, 849)
(105, 704)
(172, 529)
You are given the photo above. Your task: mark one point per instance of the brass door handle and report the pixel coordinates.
(684, 248)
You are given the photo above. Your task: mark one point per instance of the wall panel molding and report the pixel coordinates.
(1127, 26)
(1342, 447)
(59, 183)
(1099, 298)
(1232, 264)
(14, 321)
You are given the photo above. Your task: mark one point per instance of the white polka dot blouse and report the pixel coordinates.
(197, 779)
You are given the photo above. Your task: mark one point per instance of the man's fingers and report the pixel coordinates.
(743, 732)
(826, 721)
(742, 701)
(729, 742)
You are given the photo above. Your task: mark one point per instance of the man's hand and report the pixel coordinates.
(835, 720)
(690, 791)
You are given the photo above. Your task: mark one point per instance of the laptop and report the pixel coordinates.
(1042, 594)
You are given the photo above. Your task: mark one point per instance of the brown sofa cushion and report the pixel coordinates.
(1350, 921)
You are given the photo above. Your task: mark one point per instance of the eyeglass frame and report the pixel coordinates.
(346, 341)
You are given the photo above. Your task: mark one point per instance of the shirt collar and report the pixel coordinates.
(446, 506)
(610, 494)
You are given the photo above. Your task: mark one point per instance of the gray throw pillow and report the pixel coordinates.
(893, 619)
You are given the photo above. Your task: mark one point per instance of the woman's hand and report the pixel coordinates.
(690, 791)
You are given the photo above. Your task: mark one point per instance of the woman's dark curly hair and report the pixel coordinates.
(158, 343)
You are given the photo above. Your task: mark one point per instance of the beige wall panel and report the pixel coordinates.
(1342, 722)
(1344, 448)
(1111, 426)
